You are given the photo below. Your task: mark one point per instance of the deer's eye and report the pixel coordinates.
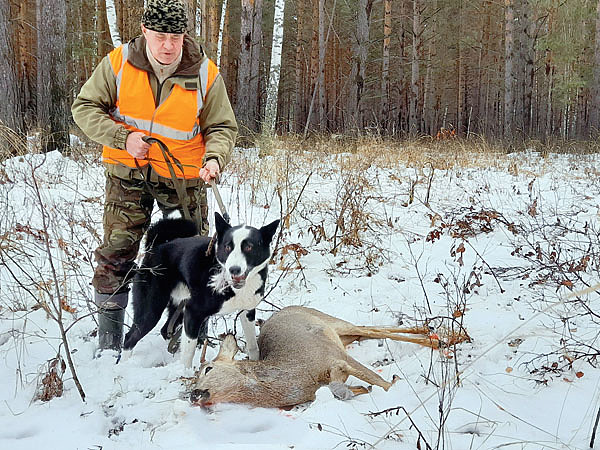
(208, 369)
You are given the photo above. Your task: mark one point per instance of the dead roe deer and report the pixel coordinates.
(301, 349)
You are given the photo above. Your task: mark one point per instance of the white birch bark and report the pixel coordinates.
(222, 27)
(274, 72)
(111, 16)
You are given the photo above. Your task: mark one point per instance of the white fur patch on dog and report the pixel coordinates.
(188, 348)
(180, 293)
(218, 282)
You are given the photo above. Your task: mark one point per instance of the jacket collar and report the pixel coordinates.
(191, 57)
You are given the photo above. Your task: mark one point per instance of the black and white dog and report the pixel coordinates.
(176, 268)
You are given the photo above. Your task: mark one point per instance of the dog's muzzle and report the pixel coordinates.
(238, 281)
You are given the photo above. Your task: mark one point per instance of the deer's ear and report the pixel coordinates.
(228, 350)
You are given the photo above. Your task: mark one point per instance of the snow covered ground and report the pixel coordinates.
(493, 242)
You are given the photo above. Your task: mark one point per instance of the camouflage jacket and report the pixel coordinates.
(98, 96)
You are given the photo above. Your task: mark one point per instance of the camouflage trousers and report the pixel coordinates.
(127, 214)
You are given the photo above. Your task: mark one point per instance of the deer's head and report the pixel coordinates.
(223, 379)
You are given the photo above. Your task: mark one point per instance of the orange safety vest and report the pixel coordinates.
(174, 121)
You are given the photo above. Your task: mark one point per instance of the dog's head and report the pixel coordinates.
(242, 250)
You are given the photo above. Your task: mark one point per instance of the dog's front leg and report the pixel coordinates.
(189, 338)
(247, 319)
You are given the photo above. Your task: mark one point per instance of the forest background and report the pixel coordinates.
(515, 70)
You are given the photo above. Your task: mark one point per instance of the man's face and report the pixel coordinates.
(165, 47)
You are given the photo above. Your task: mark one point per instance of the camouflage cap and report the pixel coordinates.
(165, 16)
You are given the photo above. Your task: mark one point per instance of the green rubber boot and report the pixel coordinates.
(111, 315)
(110, 329)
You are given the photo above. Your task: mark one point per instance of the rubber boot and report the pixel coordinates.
(111, 315)
(110, 328)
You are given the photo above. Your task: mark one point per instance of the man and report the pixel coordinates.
(160, 84)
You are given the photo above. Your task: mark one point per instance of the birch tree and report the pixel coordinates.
(274, 71)
(53, 111)
(111, 17)
(221, 29)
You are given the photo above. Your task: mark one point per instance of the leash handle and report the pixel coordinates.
(215, 190)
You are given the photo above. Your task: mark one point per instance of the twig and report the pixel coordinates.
(594, 430)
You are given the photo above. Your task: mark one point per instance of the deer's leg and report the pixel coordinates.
(396, 334)
(247, 319)
(365, 374)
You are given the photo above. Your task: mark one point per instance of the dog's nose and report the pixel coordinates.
(235, 271)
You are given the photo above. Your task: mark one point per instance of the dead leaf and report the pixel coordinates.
(579, 374)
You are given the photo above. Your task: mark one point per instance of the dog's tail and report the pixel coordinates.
(166, 230)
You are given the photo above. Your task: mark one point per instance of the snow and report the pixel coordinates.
(516, 387)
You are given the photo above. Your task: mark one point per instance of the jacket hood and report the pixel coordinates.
(190, 59)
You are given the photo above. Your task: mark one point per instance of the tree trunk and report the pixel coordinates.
(111, 17)
(321, 76)
(414, 79)
(275, 70)
(527, 58)
(385, 65)
(53, 112)
(595, 106)
(190, 9)
(222, 36)
(509, 97)
(11, 114)
(299, 117)
(247, 91)
(356, 113)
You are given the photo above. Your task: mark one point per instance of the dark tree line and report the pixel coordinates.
(508, 69)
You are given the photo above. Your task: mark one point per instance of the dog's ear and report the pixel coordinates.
(268, 231)
(220, 224)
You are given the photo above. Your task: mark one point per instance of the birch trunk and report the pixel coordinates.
(111, 17)
(221, 28)
(274, 72)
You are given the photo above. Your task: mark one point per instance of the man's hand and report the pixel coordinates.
(135, 146)
(210, 170)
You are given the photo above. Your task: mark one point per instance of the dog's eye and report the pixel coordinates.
(248, 248)
(227, 247)
(208, 369)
